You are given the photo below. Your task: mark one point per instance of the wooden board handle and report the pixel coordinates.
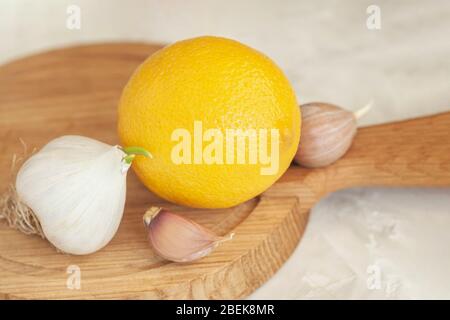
(407, 153)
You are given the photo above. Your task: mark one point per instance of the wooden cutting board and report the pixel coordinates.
(76, 90)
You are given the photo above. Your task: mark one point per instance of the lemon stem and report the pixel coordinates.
(132, 152)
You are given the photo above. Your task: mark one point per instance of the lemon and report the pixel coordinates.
(206, 87)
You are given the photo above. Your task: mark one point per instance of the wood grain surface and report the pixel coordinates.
(76, 90)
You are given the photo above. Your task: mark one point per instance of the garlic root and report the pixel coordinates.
(18, 215)
(14, 212)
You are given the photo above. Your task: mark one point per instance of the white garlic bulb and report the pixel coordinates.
(327, 133)
(76, 188)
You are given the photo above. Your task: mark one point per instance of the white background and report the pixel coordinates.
(328, 53)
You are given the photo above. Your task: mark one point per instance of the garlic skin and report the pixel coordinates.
(76, 187)
(179, 239)
(327, 133)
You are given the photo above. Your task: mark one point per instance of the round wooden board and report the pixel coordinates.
(75, 91)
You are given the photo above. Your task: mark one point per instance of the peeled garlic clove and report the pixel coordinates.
(179, 239)
(327, 134)
(75, 186)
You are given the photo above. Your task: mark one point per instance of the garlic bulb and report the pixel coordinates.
(327, 133)
(179, 239)
(75, 187)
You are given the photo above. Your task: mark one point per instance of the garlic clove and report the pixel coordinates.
(327, 134)
(179, 239)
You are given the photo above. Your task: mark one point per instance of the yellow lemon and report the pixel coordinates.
(220, 119)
